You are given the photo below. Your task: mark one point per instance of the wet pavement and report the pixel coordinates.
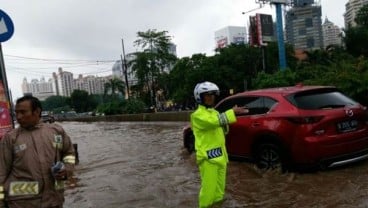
(144, 164)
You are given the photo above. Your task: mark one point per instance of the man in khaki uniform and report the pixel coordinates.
(28, 154)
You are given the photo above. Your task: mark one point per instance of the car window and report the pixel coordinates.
(321, 99)
(255, 104)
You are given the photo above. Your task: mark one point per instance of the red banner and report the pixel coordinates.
(5, 112)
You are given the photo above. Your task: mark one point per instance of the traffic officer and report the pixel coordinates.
(35, 160)
(209, 128)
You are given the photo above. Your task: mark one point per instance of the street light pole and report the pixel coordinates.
(124, 66)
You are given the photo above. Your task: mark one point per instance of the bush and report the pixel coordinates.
(134, 106)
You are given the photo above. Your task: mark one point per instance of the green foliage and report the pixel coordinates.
(116, 107)
(356, 41)
(150, 63)
(278, 79)
(134, 106)
(54, 102)
(114, 87)
(362, 16)
(111, 108)
(80, 101)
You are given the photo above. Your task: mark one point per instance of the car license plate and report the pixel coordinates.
(346, 126)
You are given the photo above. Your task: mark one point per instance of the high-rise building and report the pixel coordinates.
(304, 25)
(351, 10)
(41, 89)
(331, 34)
(65, 82)
(230, 35)
(90, 84)
(300, 3)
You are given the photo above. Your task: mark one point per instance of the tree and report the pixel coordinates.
(80, 100)
(362, 16)
(356, 38)
(114, 87)
(152, 60)
(54, 102)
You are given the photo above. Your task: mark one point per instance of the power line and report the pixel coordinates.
(22, 70)
(66, 60)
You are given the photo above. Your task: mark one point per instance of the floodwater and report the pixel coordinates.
(144, 164)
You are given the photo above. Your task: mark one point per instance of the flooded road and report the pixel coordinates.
(144, 164)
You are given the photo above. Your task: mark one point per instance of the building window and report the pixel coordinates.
(309, 22)
(310, 42)
(302, 31)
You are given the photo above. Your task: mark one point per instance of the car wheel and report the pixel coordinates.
(268, 156)
(189, 143)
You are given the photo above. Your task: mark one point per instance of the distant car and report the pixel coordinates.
(314, 126)
(47, 118)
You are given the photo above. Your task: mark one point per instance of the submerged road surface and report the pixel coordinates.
(143, 164)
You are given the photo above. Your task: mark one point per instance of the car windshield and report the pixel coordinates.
(320, 99)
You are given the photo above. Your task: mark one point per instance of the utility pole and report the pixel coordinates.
(124, 67)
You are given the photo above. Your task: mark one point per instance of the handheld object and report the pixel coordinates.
(57, 167)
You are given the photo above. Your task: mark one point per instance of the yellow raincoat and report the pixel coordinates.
(209, 128)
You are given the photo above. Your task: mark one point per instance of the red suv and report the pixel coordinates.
(299, 125)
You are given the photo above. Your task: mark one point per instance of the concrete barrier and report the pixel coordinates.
(159, 116)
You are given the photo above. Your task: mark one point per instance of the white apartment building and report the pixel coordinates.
(351, 10)
(64, 82)
(90, 84)
(230, 34)
(41, 89)
(331, 34)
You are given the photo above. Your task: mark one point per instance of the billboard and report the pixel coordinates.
(260, 29)
(253, 31)
(222, 43)
(266, 27)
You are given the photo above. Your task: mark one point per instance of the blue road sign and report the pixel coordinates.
(6, 27)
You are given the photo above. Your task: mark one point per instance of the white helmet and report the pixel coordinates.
(205, 87)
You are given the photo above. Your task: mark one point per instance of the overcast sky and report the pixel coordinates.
(51, 34)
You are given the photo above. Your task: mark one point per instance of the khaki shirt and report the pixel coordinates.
(26, 158)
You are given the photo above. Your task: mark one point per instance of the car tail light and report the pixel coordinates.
(305, 119)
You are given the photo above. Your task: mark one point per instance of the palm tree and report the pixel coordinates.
(153, 60)
(114, 87)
